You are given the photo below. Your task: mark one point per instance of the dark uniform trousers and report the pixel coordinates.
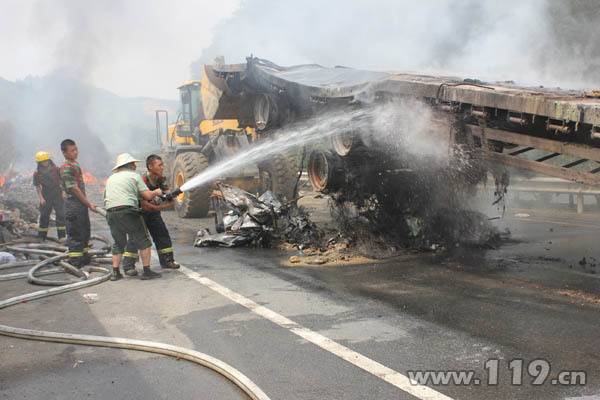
(160, 237)
(78, 231)
(54, 201)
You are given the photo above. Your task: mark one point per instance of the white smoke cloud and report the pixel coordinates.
(509, 40)
(130, 47)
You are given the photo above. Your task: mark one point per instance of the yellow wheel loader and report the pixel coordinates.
(220, 117)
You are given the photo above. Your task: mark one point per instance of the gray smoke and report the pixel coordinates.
(535, 42)
(55, 107)
(51, 109)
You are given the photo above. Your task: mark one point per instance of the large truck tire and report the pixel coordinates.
(193, 203)
(279, 174)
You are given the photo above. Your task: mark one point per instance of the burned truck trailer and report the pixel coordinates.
(531, 128)
(478, 125)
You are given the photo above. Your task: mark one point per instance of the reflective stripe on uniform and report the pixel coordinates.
(75, 254)
(86, 249)
(130, 255)
(145, 227)
(61, 228)
(40, 229)
(166, 250)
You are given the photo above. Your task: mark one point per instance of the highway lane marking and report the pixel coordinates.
(394, 378)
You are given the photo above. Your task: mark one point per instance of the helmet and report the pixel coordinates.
(124, 159)
(41, 156)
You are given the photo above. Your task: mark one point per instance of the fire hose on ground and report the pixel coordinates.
(56, 254)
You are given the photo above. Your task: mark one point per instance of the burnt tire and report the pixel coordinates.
(193, 203)
(279, 175)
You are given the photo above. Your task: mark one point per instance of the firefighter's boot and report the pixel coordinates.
(116, 275)
(167, 261)
(149, 274)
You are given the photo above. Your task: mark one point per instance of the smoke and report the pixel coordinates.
(408, 129)
(7, 147)
(55, 107)
(83, 30)
(541, 42)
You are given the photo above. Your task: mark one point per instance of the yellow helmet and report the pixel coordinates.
(41, 156)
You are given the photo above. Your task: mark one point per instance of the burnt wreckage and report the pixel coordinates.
(478, 126)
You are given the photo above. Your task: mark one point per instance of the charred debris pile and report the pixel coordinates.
(244, 219)
(422, 211)
(422, 215)
(406, 179)
(394, 186)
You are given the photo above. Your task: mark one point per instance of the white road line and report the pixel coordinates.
(373, 367)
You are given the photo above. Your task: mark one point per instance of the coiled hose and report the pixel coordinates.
(55, 254)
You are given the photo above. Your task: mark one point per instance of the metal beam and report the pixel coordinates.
(548, 157)
(524, 150)
(555, 146)
(549, 103)
(575, 163)
(551, 170)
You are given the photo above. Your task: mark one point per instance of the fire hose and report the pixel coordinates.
(55, 254)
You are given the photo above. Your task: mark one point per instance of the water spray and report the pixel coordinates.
(297, 135)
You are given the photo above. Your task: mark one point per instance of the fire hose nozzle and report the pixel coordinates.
(171, 195)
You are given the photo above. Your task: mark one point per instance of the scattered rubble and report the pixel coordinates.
(244, 220)
(90, 298)
(19, 205)
(18, 209)
(260, 222)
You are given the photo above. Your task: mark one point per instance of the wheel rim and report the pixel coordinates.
(342, 143)
(318, 170)
(179, 181)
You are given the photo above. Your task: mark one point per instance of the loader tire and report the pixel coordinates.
(193, 203)
(279, 175)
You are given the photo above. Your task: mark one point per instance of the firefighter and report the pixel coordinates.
(124, 190)
(154, 179)
(76, 206)
(47, 183)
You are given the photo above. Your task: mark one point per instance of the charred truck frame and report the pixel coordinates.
(547, 131)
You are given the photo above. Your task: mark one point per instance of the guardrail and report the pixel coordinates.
(553, 186)
(576, 191)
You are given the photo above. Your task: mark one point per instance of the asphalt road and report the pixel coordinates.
(342, 332)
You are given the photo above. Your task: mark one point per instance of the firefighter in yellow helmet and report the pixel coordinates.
(46, 180)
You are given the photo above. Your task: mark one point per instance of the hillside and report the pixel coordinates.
(44, 110)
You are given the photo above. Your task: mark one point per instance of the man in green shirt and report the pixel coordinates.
(76, 205)
(122, 195)
(154, 179)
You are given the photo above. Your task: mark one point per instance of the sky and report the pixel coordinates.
(148, 47)
(129, 47)
(531, 42)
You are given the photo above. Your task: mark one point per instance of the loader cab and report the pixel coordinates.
(192, 112)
